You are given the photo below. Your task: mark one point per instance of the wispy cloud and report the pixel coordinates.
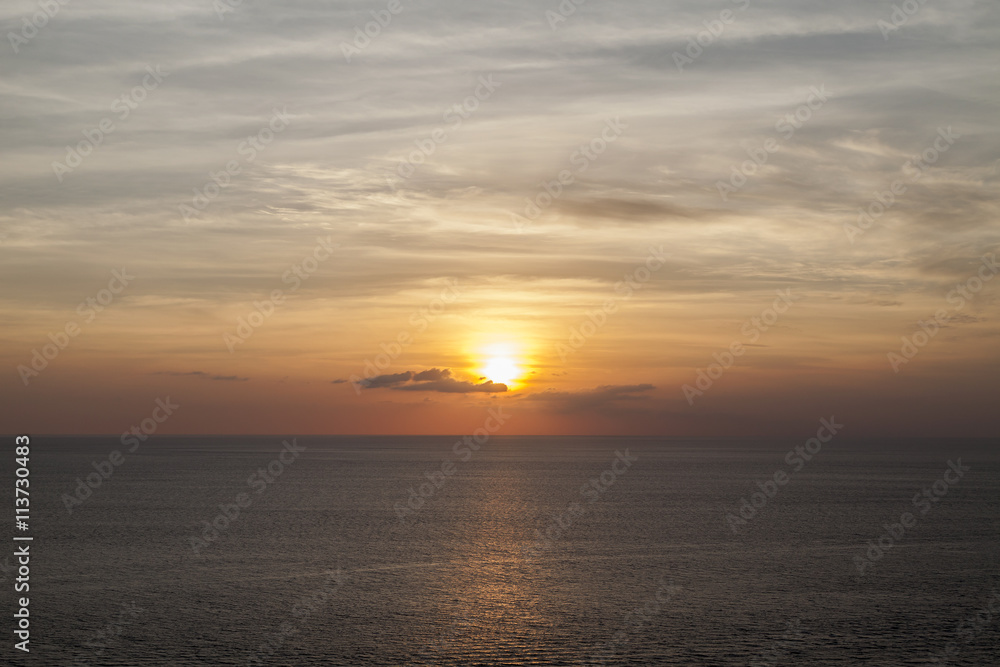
(333, 172)
(204, 376)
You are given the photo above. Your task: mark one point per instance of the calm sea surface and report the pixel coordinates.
(412, 551)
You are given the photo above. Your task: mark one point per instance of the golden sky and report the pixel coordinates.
(570, 221)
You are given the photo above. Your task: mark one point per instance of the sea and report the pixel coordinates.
(447, 550)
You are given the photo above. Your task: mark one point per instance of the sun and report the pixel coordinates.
(502, 362)
(501, 369)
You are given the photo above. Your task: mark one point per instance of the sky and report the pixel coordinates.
(661, 218)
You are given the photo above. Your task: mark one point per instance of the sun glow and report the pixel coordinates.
(501, 369)
(500, 365)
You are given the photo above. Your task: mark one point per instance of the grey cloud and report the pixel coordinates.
(632, 210)
(452, 386)
(390, 380)
(432, 379)
(435, 374)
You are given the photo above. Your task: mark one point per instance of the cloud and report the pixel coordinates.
(432, 379)
(633, 210)
(380, 381)
(593, 399)
(204, 376)
(335, 170)
(452, 386)
(963, 318)
(432, 374)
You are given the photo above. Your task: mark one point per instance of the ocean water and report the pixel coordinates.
(511, 555)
